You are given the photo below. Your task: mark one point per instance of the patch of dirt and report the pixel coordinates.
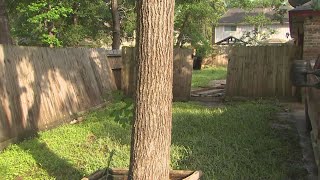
(281, 126)
(217, 82)
(214, 92)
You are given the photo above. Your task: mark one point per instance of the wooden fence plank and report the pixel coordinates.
(262, 71)
(42, 87)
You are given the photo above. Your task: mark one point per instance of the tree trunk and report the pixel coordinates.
(74, 16)
(116, 25)
(180, 37)
(50, 31)
(50, 27)
(4, 25)
(151, 132)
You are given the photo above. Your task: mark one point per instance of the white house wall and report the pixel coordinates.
(281, 31)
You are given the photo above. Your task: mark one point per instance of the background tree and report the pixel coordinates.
(38, 21)
(249, 4)
(5, 37)
(260, 21)
(261, 31)
(128, 17)
(116, 36)
(193, 23)
(316, 5)
(151, 134)
(60, 23)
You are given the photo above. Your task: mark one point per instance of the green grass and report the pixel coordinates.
(201, 78)
(233, 142)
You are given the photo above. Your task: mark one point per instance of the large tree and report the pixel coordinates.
(193, 23)
(4, 25)
(151, 134)
(60, 23)
(116, 41)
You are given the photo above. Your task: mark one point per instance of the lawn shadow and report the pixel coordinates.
(118, 125)
(236, 142)
(41, 88)
(57, 167)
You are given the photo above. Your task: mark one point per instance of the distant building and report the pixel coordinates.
(233, 24)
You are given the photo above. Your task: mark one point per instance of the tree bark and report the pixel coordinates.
(151, 131)
(116, 25)
(5, 37)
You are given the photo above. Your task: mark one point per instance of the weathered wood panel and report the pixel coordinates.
(182, 73)
(219, 57)
(216, 60)
(260, 71)
(43, 87)
(115, 62)
(129, 71)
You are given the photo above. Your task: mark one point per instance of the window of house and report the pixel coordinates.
(230, 28)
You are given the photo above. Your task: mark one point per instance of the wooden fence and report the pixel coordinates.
(182, 73)
(216, 60)
(220, 56)
(262, 71)
(43, 87)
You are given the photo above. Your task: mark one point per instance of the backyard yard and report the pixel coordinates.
(201, 78)
(232, 141)
(58, 70)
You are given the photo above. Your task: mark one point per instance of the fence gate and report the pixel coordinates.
(260, 71)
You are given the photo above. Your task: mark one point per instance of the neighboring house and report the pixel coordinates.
(233, 24)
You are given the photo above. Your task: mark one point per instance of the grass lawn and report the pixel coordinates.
(202, 77)
(232, 142)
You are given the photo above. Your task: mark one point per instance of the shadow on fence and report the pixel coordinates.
(43, 87)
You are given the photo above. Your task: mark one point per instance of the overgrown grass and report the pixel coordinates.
(233, 142)
(202, 77)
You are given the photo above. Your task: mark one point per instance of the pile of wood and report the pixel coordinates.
(214, 93)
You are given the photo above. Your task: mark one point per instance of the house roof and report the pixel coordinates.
(296, 3)
(298, 15)
(237, 15)
(303, 7)
(230, 40)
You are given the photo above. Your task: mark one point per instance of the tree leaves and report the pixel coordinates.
(46, 22)
(194, 20)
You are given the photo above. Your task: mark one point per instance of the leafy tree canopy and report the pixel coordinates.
(249, 4)
(59, 23)
(89, 22)
(193, 23)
